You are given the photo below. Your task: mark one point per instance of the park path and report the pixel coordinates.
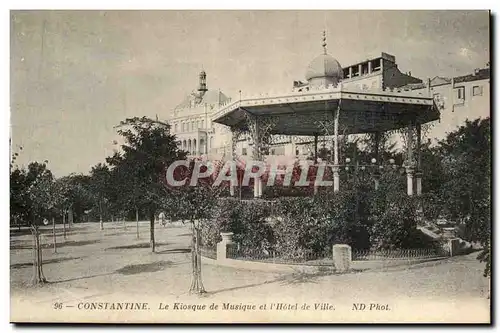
(114, 266)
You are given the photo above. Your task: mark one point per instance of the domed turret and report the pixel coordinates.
(324, 65)
(324, 69)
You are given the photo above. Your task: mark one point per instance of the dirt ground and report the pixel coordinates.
(114, 266)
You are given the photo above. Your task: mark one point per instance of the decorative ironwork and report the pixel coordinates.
(236, 133)
(408, 135)
(260, 129)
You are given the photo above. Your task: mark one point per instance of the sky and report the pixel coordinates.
(77, 74)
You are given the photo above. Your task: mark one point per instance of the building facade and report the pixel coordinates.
(190, 120)
(459, 98)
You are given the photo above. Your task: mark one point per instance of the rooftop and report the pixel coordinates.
(306, 112)
(479, 74)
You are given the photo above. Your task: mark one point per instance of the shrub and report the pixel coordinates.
(246, 219)
(293, 227)
(310, 226)
(349, 215)
(394, 221)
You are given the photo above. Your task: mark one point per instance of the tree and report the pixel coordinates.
(72, 194)
(148, 150)
(100, 181)
(62, 198)
(19, 201)
(126, 192)
(80, 196)
(195, 203)
(32, 200)
(466, 183)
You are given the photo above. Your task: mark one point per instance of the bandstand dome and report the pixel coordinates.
(324, 66)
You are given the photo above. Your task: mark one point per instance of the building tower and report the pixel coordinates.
(202, 88)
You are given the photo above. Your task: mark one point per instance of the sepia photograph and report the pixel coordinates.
(250, 166)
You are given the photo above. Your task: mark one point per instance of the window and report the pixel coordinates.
(355, 71)
(244, 151)
(202, 124)
(461, 92)
(175, 128)
(297, 152)
(272, 151)
(192, 126)
(364, 68)
(477, 91)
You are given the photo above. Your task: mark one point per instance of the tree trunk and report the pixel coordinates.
(34, 253)
(70, 217)
(64, 224)
(152, 231)
(197, 283)
(54, 239)
(193, 259)
(124, 223)
(198, 256)
(137, 221)
(38, 277)
(101, 224)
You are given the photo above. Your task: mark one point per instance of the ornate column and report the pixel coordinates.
(418, 174)
(418, 179)
(260, 129)
(335, 169)
(410, 171)
(377, 157)
(253, 126)
(315, 158)
(315, 148)
(410, 165)
(235, 135)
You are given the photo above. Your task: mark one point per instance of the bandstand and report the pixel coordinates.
(327, 107)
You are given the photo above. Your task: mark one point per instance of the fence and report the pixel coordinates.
(275, 257)
(208, 252)
(340, 257)
(404, 254)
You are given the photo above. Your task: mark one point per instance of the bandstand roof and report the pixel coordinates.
(311, 112)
